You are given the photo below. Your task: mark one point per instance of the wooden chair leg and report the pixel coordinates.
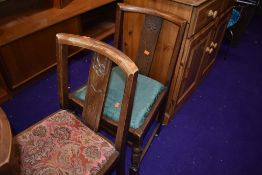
(135, 160)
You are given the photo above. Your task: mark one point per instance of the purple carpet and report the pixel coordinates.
(217, 132)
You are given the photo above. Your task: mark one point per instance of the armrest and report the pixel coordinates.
(5, 142)
(110, 52)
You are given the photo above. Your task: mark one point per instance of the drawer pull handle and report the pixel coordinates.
(209, 50)
(214, 45)
(212, 13)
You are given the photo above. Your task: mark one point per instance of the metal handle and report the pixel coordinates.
(214, 45)
(209, 50)
(212, 13)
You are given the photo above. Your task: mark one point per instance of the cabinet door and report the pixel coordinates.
(214, 44)
(196, 49)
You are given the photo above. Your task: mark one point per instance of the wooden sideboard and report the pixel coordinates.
(207, 21)
(28, 29)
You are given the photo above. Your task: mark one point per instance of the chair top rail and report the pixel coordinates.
(167, 16)
(91, 44)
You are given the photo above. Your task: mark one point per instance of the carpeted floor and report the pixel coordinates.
(218, 130)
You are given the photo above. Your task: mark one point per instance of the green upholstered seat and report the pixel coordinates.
(147, 91)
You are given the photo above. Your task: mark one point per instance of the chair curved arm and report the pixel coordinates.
(5, 142)
(110, 52)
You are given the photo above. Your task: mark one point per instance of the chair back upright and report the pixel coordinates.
(154, 40)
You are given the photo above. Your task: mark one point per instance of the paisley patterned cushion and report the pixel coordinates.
(61, 144)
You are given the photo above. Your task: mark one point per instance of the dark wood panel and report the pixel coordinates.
(148, 42)
(31, 55)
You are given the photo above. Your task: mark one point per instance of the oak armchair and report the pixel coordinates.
(151, 91)
(63, 144)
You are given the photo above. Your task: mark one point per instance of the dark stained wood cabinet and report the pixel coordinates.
(27, 37)
(207, 20)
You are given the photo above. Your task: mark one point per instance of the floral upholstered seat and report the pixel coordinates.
(61, 144)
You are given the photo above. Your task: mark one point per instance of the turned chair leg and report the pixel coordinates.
(135, 160)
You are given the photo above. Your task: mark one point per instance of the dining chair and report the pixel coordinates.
(150, 96)
(63, 143)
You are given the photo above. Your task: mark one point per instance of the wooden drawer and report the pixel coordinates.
(203, 15)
